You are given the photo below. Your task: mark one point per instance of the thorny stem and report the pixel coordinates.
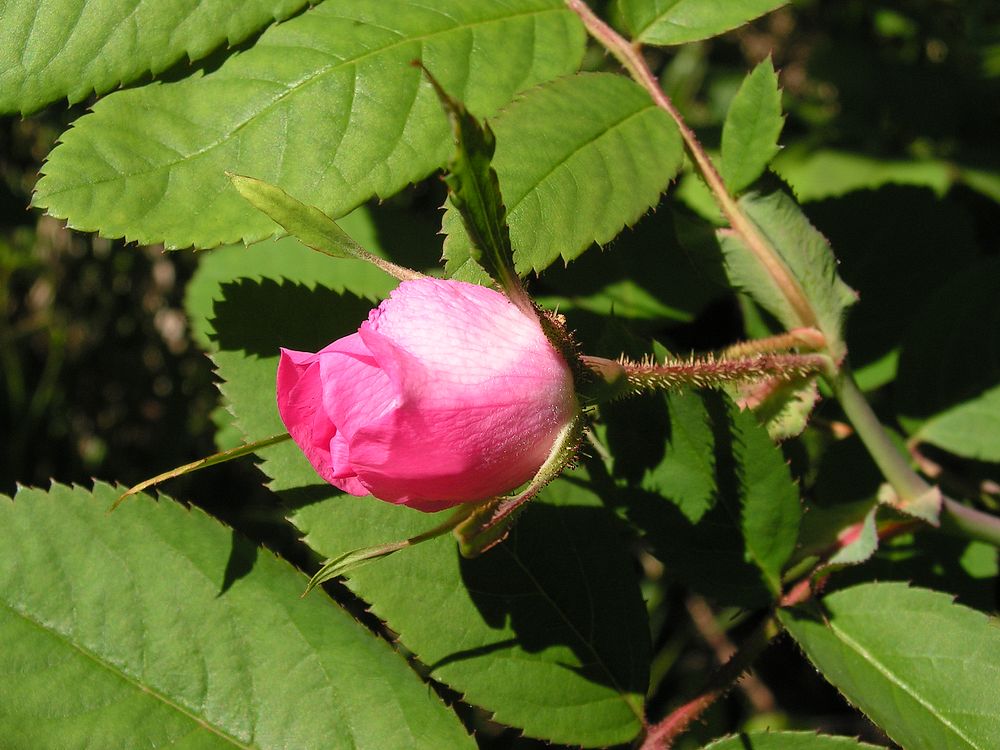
(904, 480)
(708, 371)
(661, 736)
(630, 57)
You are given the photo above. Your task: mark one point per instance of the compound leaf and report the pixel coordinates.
(325, 106)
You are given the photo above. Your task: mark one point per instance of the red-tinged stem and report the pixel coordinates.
(662, 735)
(630, 57)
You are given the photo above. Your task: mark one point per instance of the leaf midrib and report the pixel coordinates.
(125, 677)
(890, 676)
(585, 144)
(295, 88)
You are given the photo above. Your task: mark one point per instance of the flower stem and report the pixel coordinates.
(626, 378)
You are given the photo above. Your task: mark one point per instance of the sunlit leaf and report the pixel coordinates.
(750, 132)
(326, 106)
(578, 159)
(72, 48)
(801, 250)
(158, 627)
(923, 668)
(788, 741)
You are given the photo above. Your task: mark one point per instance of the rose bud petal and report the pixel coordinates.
(447, 394)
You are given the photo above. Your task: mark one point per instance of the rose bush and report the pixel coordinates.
(447, 394)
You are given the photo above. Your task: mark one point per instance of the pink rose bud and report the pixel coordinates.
(447, 394)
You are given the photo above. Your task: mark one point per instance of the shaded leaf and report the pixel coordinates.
(578, 159)
(948, 389)
(803, 251)
(325, 105)
(553, 611)
(750, 132)
(719, 506)
(71, 48)
(677, 21)
(814, 174)
(130, 631)
(508, 630)
(616, 280)
(921, 667)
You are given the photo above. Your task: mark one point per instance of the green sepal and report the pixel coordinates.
(309, 225)
(490, 523)
(349, 561)
(474, 190)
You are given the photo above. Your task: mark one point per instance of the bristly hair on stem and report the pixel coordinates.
(626, 377)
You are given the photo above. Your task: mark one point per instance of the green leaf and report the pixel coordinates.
(948, 389)
(677, 21)
(922, 668)
(518, 625)
(325, 105)
(578, 159)
(803, 251)
(788, 741)
(720, 508)
(617, 281)
(941, 562)
(157, 626)
(750, 132)
(474, 191)
(72, 48)
(310, 226)
(508, 630)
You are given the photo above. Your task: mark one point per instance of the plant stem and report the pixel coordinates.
(893, 465)
(908, 485)
(955, 517)
(630, 57)
(969, 522)
(661, 736)
(709, 371)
